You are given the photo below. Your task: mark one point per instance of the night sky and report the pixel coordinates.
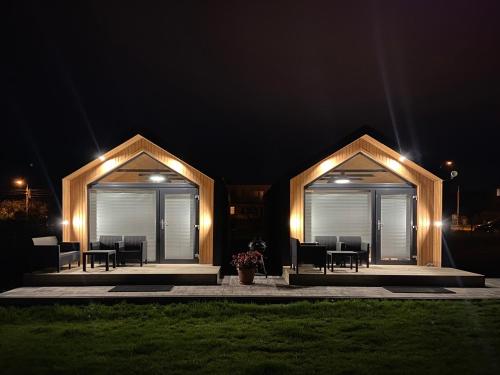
(249, 90)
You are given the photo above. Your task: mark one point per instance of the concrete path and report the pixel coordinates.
(272, 289)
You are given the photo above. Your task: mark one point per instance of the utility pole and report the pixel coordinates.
(27, 194)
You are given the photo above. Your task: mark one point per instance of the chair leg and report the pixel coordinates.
(69, 265)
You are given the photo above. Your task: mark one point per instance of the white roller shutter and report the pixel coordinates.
(180, 219)
(396, 227)
(338, 214)
(124, 212)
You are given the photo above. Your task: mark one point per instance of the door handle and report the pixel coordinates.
(163, 224)
(197, 226)
(379, 224)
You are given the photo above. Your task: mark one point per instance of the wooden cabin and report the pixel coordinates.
(138, 188)
(369, 190)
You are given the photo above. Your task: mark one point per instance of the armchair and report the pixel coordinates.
(48, 252)
(354, 243)
(135, 247)
(307, 253)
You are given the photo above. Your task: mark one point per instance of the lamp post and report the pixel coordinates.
(449, 165)
(27, 192)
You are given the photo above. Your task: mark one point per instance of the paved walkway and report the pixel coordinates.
(272, 289)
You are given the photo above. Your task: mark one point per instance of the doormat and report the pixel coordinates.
(141, 288)
(417, 289)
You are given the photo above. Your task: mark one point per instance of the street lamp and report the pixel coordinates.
(448, 164)
(19, 182)
(27, 192)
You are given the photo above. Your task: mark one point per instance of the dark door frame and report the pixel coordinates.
(377, 230)
(158, 188)
(160, 221)
(375, 191)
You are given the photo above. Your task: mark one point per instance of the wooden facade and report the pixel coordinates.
(429, 193)
(75, 191)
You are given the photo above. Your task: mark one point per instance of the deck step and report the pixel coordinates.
(376, 277)
(205, 276)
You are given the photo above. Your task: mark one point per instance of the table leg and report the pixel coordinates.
(91, 260)
(350, 260)
(357, 262)
(84, 262)
(107, 262)
(114, 260)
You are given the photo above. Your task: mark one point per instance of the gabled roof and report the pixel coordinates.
(133, 147)
(372, 149)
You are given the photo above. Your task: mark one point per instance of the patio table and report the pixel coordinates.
(350, 254)
(93, 253)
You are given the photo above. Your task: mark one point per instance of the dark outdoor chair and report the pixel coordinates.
(307, 254)
(47, 252)
(135, 247)
(354, 243)
(330, 242)
(108, 243)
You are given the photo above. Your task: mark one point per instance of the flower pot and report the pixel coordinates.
(246, 275)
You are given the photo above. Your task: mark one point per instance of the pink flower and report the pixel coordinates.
(246, 259)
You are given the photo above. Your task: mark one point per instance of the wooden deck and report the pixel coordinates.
(384, 275)
(161, 274)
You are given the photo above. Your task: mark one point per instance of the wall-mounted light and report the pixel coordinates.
(294, 223)
(176, 166)
(326, 166)
(232, 210)
(102, 158)
(402, 158)
(342, 181)
(77, 222)
(65, 222)
(438, 224)
(157, 178)
(394, 165)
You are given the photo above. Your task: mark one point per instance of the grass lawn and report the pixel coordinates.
(352, 336)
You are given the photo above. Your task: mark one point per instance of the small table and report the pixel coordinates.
(92, 253)
(350, 254)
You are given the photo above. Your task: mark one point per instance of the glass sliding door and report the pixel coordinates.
(178, 225)
(395, 226)
(124, 212)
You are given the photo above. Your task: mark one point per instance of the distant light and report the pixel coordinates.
(232, 210)
(19, 182)
(438, 224)
(102, 158)
(342, 181)
(157, 178)
(65, 222)
(498, 192)
(402, 158)
(449, 162)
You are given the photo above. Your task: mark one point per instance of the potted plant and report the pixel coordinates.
(246, 262)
